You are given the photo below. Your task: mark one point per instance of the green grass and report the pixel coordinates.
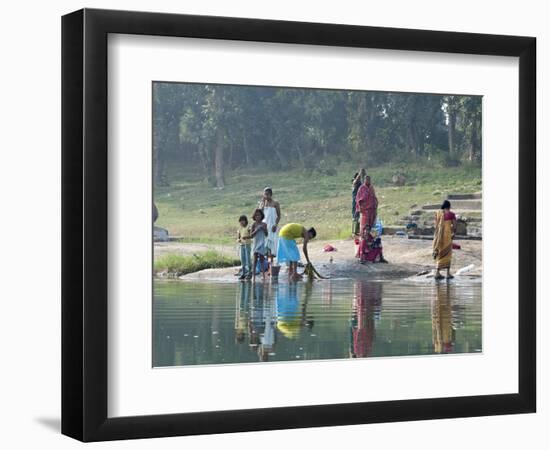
(195, 211)
(177, 265)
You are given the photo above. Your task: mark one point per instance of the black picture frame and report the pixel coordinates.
(84, 224)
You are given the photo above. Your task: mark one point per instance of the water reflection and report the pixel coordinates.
(366, 308)
(195, 324)
(264, 311)
(443, 333)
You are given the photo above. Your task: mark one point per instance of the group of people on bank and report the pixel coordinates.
(364, 207)
(263, 240)
(364, 210)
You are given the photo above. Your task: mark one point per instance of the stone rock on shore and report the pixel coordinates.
(160, 235)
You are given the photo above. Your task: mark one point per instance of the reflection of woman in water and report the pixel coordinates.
(267, 340)
(255, 322)
(262, 315)
(367, 300)
(241, 312)
(443, 333)
(326, 287)
(288, 310)
(291, 313)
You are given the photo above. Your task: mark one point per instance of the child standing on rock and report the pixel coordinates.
(244, 238)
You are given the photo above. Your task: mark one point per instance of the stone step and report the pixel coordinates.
(465, 212)
(392, 230)
(456, 205)
(474, 196)
(429, 213)
(429, 217)
(456, 238)
(462, 218)
(431, 207)
(466, 204)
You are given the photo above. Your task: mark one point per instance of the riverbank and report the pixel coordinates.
(197, 212)
(406, 257)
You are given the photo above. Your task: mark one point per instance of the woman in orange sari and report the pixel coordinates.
(367, 204)
(445, 227)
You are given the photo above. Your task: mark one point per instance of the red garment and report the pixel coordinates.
(364, 253)
(367, 204)
(449, 216)
(368, 217)
(363, 329)
(367, 195)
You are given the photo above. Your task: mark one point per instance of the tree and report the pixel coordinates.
(214, 128)
(451, 107)
(167, 106)
(471, 124)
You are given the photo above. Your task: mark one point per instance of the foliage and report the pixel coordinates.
(216, 128)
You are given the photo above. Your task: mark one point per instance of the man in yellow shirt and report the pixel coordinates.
(288, 250)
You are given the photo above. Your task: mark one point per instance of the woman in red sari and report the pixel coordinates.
(367, 204)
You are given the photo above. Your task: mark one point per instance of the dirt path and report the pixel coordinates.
(406, 257)
(401, 251)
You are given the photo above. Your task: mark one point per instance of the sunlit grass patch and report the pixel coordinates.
(194, 211)
(177, 265)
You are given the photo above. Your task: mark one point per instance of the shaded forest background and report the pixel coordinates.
(214, 129)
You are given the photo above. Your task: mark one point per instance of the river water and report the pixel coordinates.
(222, 323)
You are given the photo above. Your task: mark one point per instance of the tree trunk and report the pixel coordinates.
(280, 157)
(246, 150)
(473, 141)
(363, 123)
(299, 150)
(451, 131)
(160, 168)
(230, 156)
(157, 144)
(274, 144)
(218, 160)
(412, 139)
(204, 159)
(155, 165)
(370, 112)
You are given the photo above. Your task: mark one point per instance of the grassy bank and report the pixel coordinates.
(177, 265)
(191, 208)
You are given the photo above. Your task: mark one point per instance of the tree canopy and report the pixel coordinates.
(220, 127)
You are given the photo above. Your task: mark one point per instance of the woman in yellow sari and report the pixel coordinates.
(445, 227)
